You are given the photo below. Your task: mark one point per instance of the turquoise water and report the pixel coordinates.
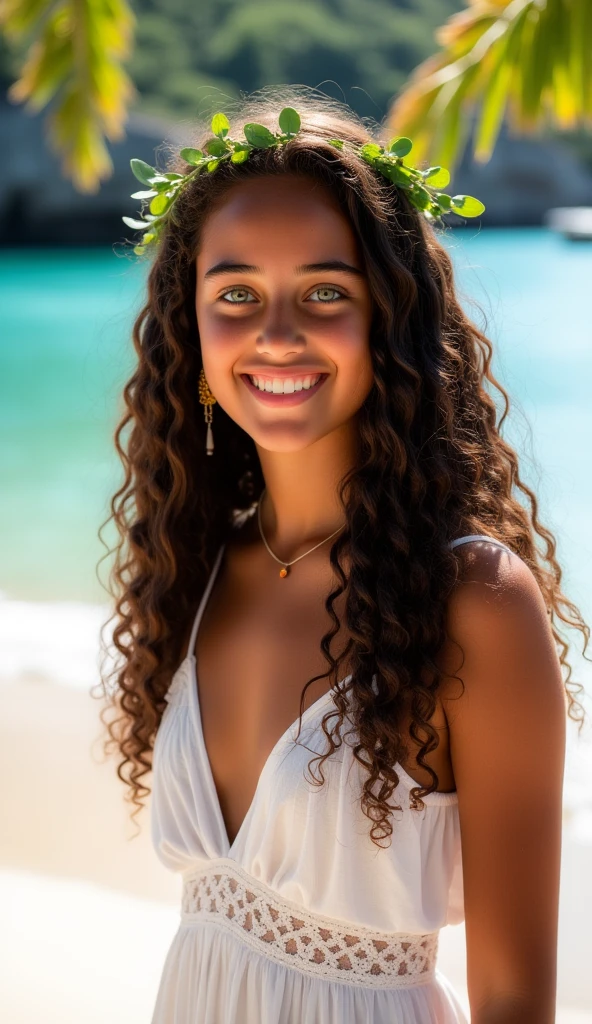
(66, 351)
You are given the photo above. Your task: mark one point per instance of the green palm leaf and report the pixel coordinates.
(75, 56)
(527, 60)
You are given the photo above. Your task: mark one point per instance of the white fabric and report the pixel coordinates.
(303, 846)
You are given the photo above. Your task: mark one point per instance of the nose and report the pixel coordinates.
(279, 334)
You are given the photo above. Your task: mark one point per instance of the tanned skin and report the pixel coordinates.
(502, 739)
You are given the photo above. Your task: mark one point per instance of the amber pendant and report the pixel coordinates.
(284, 572)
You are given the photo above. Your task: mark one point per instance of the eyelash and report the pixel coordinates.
(321, 302)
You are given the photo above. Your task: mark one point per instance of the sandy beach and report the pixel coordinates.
(91, 911)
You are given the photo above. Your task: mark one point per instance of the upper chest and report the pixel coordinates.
(258, 643)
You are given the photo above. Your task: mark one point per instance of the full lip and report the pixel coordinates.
(296, 398)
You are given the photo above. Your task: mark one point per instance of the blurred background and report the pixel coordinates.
(498, 92)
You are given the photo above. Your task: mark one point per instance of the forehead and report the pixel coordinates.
(288, 217)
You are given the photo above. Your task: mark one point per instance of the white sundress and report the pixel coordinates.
(302, 918)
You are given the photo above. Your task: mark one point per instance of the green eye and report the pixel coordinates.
(242, 295)
(327, 294)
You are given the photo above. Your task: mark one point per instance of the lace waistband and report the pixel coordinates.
(279, 929)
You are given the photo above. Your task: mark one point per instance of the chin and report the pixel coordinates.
(286, 438)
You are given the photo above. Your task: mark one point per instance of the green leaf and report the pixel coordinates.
(421, 197)
(142, 171)
(370, 151)
(452, 127)
(397, 175)
(216, 147)
(173, 176)
(438, 177)
(137, 225)
(144, 195)
(212, 164)
(503, 57)
(161, 184)
(259, 136)
(400, 146)
(220, 125)
(148, 237)
(160, 204)
(239, 156)
(467, 205)
(338, 143)
(192, 156)
(289, 121)
(443, 201)
(138, 249)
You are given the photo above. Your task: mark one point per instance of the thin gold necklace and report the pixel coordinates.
(285, 566)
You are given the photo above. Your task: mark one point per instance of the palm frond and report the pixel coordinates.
(75, 56)
(529, 61)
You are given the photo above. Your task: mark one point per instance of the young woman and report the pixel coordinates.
(355, 528)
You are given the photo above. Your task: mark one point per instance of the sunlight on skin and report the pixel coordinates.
(281, 315)
(277, 321)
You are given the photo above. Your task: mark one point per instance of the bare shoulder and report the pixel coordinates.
(507, 722)
(492, 575)
(497, 621)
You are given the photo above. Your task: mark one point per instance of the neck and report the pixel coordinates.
(301, 504)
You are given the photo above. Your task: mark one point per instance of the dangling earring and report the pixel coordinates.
(207, 400)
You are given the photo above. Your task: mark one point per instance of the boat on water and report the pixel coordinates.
(573, 222)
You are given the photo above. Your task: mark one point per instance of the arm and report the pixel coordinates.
(507, 743)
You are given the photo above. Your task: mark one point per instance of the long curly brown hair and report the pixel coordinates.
(432, 466)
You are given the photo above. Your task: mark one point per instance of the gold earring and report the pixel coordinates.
(207, 399)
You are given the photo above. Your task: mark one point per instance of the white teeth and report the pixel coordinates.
(284, 385)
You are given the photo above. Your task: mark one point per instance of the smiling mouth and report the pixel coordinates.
(285, 385)
(284, 390)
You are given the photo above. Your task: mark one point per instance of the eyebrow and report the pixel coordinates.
(226, 267)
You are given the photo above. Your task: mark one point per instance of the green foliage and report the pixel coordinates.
(525, 59)
(141, 170)
(438, 177)
(192, 156)
(74, 58)
(389, 162)
(216, 147)
(207, 51)
(400, 147)
(289, 121)
(259, 136)
(187, 57)
(220, 125)
(530, 60)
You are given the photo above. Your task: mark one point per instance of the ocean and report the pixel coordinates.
(65, 353)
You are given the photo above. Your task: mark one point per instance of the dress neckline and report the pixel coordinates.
(434, 798)
(215, 799)
(196, 706)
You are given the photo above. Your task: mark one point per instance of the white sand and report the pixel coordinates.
(89, 913)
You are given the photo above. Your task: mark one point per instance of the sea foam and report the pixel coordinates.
(53, 641)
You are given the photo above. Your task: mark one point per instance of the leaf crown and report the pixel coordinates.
(422, 188)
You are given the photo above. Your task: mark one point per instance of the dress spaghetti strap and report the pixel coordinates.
(478, 536)
(203, 602)
(239, 519)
